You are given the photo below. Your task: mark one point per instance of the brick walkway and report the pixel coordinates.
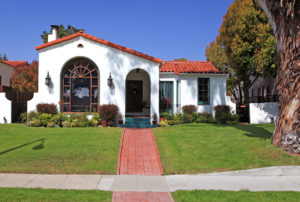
(139, 155)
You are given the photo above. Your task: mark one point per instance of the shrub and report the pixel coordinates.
(234, 119)
(163, 123)
(58, 119)
(45, 119)
(187, 118)
(173, 122)
(96, 118)
(194, 117)
(219, 109)
(189, 109)
(23, 117)
(205, 118)
(168, 116)
(46, 108)
(109, 113)
(66, 124)
(32, 115)
(34, 122)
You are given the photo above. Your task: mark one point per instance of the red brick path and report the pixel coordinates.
(142, 196)
(138, 155)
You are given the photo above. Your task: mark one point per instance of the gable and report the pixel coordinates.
(101, 41)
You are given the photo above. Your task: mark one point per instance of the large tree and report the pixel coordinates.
(246, 45)
(25, 78)
(61, 32)
(284, 16)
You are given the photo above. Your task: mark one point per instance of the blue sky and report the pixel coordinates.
(163, 29)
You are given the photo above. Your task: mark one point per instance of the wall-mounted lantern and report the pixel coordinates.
(48, 79)
(110, 80)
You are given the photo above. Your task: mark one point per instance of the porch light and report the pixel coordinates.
(110, 80)
(48, 79)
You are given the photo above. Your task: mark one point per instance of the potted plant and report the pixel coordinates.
(154, 119)
(103, 123)
(120, 118)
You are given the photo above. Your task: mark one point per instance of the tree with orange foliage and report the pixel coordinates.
(25, 78)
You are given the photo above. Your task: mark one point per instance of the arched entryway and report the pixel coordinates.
(138, 93)
(80, 86)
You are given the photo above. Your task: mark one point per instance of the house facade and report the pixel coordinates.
(80, 72)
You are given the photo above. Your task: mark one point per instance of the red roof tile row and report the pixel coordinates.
(14, 63)
(189, 67)
(96, 39)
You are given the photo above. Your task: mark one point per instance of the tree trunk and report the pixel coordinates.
(284, 17)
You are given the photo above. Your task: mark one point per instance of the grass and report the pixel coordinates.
(59, 150)
(19, 194)
(201, 148)
(243, 196)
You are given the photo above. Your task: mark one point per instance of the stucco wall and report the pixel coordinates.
(5, 109)
(188, 90)
(263, 112)
(6, 72)
(107, 59)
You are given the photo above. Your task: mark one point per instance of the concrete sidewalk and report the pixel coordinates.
(286, 178)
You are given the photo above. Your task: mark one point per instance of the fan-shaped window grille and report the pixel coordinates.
(80, 86)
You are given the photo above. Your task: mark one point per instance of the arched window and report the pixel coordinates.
(80, 86)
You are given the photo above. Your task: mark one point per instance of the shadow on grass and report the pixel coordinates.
(40, 146)
(254, 130)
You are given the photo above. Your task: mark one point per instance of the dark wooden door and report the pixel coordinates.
(134, 96)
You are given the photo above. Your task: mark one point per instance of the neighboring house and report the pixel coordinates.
(263, 98)
(80, 72)
(7, 111)
(7, 69)
(263, 90)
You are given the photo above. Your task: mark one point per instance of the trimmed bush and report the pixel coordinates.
(189, 109)
(109, 113)
(46, 108)
(220, 109)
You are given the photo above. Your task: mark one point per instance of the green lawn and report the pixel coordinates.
(59, 150)
(17, 194)
(222, 196)
(200, 148)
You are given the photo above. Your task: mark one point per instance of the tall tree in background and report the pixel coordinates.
(61, 32)
(284, 16)
(4, 57)
(25, 78)
(246, 46)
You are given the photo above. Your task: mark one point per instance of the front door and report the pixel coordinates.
(134, 96)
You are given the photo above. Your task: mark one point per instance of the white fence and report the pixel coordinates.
(263, 112)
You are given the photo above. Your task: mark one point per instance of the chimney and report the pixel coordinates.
(53, 35)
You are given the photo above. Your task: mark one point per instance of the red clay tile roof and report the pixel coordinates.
(189, 67)
(96, 39)
(14, 63)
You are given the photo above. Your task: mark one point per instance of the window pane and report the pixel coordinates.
(203, 91)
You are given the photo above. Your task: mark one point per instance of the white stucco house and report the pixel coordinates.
(80, 72)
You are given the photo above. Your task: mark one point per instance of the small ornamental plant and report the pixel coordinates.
(154, 119)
